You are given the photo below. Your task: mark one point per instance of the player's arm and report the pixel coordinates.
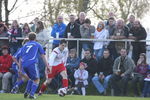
(15, 60)
(45, 60)
(52, 59)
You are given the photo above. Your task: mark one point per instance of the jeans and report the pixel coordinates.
(101, 87)
(99, 53)
(146, 89)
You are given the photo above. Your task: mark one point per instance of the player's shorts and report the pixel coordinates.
(32, 71)
(56, 70)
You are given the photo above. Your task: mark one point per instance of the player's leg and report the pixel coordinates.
(34, 76)
(44, 85)
(64, 78)
(22, 78)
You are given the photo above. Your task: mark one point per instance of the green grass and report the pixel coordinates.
(68, 97)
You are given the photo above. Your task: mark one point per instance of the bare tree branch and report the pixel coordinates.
(13, 6)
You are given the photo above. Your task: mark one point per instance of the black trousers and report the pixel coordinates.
(119, 88)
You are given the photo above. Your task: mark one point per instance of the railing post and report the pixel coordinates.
(77, 48)
(126, 44)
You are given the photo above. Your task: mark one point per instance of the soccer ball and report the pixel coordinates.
(62, 92)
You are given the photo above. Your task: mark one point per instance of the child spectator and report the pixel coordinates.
(81, 76)
(72, 65)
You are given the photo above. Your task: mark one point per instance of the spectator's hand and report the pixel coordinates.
(101, 77)
(122, 75)
(71, 36)
(1, 65)
(132, 37)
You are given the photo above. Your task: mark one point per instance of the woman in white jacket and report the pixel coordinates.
(100, 33)
(81, 76)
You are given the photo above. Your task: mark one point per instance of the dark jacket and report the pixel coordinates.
(91, 65)
(78, 22)
(74, 29)
(105, 66)
(140, 34)
(127, 64)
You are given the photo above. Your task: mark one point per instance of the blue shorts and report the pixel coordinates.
(32, 71)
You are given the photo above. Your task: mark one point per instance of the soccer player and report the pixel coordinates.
(57, 61)
(29, 55)
(21, 76)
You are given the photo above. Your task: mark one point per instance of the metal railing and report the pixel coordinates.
(83, 39)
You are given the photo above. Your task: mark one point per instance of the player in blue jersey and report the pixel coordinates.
(21, 76)
(29, 53)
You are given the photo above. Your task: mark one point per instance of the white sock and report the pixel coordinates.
(83, 91)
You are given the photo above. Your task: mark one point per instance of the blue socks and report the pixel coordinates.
(34, 88)
(29, 86)
(19, 83)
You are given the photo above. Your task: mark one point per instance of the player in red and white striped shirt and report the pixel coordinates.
(57, 63)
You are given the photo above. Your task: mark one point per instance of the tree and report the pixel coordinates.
(7, 9)
(52, 8)
(122, 8)
(0, 10)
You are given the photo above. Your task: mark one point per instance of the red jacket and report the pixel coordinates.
(5, 63)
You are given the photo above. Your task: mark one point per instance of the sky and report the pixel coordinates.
(27, 11)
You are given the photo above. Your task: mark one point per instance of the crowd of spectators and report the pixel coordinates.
(102, 63)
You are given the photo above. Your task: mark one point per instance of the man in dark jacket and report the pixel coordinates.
(137, 33)
(91, 63)
(72, 31)
(104, 71)
(122, 69)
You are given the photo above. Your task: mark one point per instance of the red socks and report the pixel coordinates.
(65, 83)
(43, 88)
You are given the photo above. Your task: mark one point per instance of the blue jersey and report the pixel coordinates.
(29, 53)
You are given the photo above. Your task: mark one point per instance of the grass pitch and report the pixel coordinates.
(67, 97)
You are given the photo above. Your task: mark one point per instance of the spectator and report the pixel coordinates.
(14, 44)
(110, 15)
(33, 27)
(42, 38)
(58, 30)
(5, 65)
(104, 71)
(25, 30)
(81, 18)
(15, 29)
(100, 33)
(146, 89)
(122, 69)
(120, 32)
(3, 33)
(91, 63)
(86, 31)
(80, 21)
(81, 76)
(42, 34)
(139, 74)
(72, 64)
(72, 31)
(131, 21)
(137, 33)
(3, 30)
(111, 26)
